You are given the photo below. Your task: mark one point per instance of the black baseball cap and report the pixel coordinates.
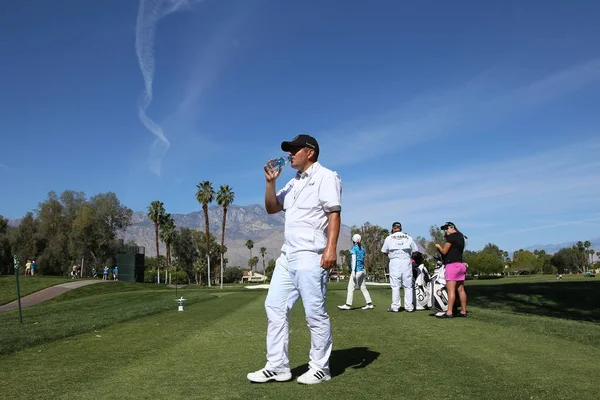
(301, 141)
(448, 225)
(396, 225)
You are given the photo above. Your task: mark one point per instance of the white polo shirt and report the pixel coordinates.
(399, 246)
(307, 200)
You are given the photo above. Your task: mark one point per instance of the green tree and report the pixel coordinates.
(185, 250)
(72, 202)
(252, 263)
(53, 234)
(225, 198)
(68, 228)
(491, 248)
(94, 228)
(541, 256)
(263, 252)
(580, 249)
(156, 213)
(430, 251)
(25, 240)
(484, 262)
(270, 269)
(566, 260)
(154, 263)
(345, 259)
(168, 232)
(372, 238)
(205, 258)
(233, 274)
(436, 236)
(6, 260)
(206, 195)
(586, 245)
(525, 261)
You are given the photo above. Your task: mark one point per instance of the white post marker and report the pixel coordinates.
(180, 301)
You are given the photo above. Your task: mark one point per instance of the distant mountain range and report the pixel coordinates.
(243, 223)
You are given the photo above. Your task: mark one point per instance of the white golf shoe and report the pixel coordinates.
(344, 307)
(313, 376)
(368, 307)
(265, 375)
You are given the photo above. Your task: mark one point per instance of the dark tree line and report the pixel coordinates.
(488, 261)
(63, 230)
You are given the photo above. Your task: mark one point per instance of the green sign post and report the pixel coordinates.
(18, 288)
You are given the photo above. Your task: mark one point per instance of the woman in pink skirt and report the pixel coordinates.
(455, 268)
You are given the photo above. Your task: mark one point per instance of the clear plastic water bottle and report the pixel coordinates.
(277, 163)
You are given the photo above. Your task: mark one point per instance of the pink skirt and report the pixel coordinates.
(456, 271)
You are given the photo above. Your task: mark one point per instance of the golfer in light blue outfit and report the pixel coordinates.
(358, 275)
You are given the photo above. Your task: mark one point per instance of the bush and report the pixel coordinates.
(232, 274)
(481, 277)
(149, 275)
(180, 277)
(550, 269)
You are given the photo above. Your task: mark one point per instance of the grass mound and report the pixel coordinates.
(27, 284)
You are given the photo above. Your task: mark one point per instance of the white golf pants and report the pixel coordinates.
(401, 275)
(299, 276)
(357, 279)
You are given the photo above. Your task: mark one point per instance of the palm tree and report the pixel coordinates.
(167, 235)
(205, 195)
(263, 251)
(540, 254)
(252, 263)
(224, 199)
(250, 245)
(342, 255)
(587, 245)
(156, 212)
(581, 249)
(345, 255)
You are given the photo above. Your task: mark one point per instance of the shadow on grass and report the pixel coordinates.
(569, 300)
(355, 357)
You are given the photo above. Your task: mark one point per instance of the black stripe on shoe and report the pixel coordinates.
(268, 374)
(319, 374)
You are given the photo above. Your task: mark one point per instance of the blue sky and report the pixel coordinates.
(483, 113)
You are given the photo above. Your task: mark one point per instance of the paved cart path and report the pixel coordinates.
(47, 294)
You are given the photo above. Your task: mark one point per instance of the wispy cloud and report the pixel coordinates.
(149, 14)
(584, 221)
(477, 101)
(549, 87)
(557, 183)
(210, 53)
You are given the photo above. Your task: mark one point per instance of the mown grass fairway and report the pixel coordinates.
(127, 341)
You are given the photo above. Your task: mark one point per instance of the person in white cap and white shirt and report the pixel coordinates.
(312, 205)
(358, 275)
(399, 247)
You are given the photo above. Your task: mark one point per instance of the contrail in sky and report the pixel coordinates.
(149, 13)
